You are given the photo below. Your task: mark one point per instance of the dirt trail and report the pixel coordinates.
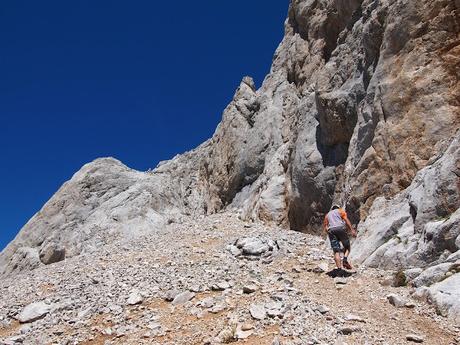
(312, 308)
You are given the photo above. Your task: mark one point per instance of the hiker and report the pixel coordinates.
(335, 225)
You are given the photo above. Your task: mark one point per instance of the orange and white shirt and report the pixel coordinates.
(335, 218)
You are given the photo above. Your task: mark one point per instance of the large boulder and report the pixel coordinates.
(51, 253)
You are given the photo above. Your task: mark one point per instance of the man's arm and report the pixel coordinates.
(352, 230)
(325, 225)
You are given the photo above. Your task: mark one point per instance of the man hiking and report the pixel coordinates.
(335, 225)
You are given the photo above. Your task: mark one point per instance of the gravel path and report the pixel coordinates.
(209, 281)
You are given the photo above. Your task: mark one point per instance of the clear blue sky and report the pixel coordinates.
(137, 80)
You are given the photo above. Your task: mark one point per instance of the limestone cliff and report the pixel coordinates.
(361, 107)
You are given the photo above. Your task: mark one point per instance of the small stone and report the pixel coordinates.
(207, 302)
(198, 312)
(183, 297)
(171, 294)
(14, 340)
(340, 280)
(252, 246)
(221, 286)
(276, 341)
(258, 311)
(387, 281)
(234, 250)
(108, 331)
(153, 326)
(196, 288)
(321, 267)
(135, 298)
(147, 335)
(33, 312)
(346, 330)
(396, 300)
(296, 269)
(410, 305)
(250, 288)
(217, 308)
(415, 338)
(323, 309)
(242, 334)
(225, 336)
(356, 318)
(247, 326)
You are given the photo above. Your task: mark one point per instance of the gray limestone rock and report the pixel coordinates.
(33, 312)
(396, 300)
(51, 253)
(183, 297)
(250, 288)
(415, 338)
(135, 298)
(258, 311)
(445, 295)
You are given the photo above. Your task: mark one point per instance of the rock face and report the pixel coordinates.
(361, 107)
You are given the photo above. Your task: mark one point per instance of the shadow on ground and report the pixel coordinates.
(338, 272)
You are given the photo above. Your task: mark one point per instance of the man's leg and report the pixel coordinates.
(346, 245)
(338, 260)
(335, 244)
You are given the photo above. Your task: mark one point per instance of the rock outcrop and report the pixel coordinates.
(361, 107)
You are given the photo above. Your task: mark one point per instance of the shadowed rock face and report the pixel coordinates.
(362, 97)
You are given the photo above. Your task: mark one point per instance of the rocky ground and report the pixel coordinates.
(208, 281)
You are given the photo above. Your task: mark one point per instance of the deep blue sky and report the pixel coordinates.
(137, 80)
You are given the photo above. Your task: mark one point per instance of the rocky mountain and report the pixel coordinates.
(361, 107)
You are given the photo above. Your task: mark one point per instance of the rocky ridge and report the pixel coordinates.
(361, 107)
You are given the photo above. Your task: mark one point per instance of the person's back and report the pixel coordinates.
(336, 218)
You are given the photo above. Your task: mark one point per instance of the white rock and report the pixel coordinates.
(34, 312)
(135, 298)
(396, 300)
(415, 338)
(258, 311)
(183, 297)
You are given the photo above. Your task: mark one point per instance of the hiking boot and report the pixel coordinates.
(347, 265)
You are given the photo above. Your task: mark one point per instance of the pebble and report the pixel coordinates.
(33, 312)
(183, 297)
(258, 311)
(250, 288)
(355, 318)
(346, 330)
(135, 298)
(340, 280)
(415, 338)
(396, 300)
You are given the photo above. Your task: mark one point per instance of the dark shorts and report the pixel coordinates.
(337, 236)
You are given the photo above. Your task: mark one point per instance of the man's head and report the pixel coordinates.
(335, 207)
